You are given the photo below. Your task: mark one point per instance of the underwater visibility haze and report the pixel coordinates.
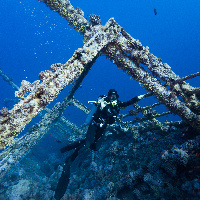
(139, 163)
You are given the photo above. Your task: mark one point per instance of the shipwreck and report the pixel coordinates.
(128, 54)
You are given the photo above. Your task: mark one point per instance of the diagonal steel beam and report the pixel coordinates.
(52, 82)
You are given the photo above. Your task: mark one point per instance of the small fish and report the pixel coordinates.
(155, 11)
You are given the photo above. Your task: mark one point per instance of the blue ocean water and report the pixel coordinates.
(33, 37)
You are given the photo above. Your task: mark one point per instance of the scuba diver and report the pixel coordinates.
(104, 112)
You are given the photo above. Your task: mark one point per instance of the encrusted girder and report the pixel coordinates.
(150, 83)
(52, 82)
(75, 16)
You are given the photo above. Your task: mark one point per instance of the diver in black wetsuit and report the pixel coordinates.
(107, 109)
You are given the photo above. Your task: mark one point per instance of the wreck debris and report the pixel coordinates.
(112, 40)
(126, 52)
(187, 77)
(73, 15)
(149, 82)
(20, 147)
(52, 83)
(9, 80)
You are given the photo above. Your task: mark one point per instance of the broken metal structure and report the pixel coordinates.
(126, 52)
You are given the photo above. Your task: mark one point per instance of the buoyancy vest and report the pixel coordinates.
(106, 110)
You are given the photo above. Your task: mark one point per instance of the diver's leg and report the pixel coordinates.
(91, 133)
(98, 143)
(64, 179)
(99, 137)
(72, 146)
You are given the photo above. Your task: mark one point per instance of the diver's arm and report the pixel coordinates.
(132, 101)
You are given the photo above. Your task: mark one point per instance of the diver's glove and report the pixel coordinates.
(141, 96)
(144, 95)
(101, 122)
(136, 99)
(101, 125)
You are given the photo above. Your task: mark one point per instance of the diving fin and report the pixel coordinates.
(63, 182)
(72, 146)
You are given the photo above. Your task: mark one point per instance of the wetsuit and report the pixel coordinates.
(106, 113)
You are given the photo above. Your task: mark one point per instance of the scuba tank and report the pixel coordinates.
(101, 103)
(89, 117)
